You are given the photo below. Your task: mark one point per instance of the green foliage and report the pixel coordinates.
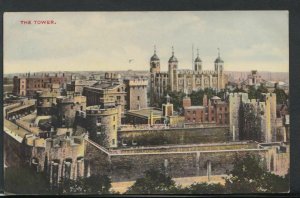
(197, 96)
(202, 188)
(149, 139)
(176, 99)
(249, 176)
(250, 120)
(238, 90)
(95, 184)
(274, 183)
(154, 182)
(257, 93)
(24, 180)
(281, 96)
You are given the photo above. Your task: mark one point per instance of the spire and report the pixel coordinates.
(193, 56)
(154, 49)
(197, 52)
(219, 52)
(173, 58)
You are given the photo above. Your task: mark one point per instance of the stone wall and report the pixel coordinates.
(57, 158)
(15, 153)
(181, 164)
(173, 136)
(122, 166)
(97, 160)
(183, 161)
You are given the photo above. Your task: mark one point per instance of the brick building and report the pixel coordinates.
(213, 111)
(28, 84)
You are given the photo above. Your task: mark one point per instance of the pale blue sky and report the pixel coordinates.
(107, 40)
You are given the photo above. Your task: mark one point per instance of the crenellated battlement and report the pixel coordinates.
(138, 82)
(193, 72)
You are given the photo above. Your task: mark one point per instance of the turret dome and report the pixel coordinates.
(154, 58)
(173, 58)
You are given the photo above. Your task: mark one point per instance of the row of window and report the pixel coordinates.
(206, 119)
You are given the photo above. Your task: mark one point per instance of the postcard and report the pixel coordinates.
(156, 102)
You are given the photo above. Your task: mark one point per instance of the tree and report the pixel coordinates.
(249, 175)
(281, 96)
(154, 182)
(260, 91)
(98, 184)
(175, 99)
(274, 183)
(252, 124)
(238, 90)
(197, 96)
(95, 184)
(201, 188)
(257, 93)
(251, 92)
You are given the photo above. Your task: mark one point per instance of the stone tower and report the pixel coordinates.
(235, 102)
(154, 63)
(137, 94)
(173, 65)
(103, 125)
(219, 68)
(270, 117)
(198, 62)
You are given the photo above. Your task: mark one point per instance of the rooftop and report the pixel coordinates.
(214, 147)
(106, 85)
(14, 131)
(146, 112)
(195, 107)
(21, 107)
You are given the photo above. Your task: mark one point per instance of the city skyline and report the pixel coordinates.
(248, 40)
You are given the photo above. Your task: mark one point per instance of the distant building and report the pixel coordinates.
(111, 89)
(184, 80)
(28, 84)
(75, 87)
(131, 94)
